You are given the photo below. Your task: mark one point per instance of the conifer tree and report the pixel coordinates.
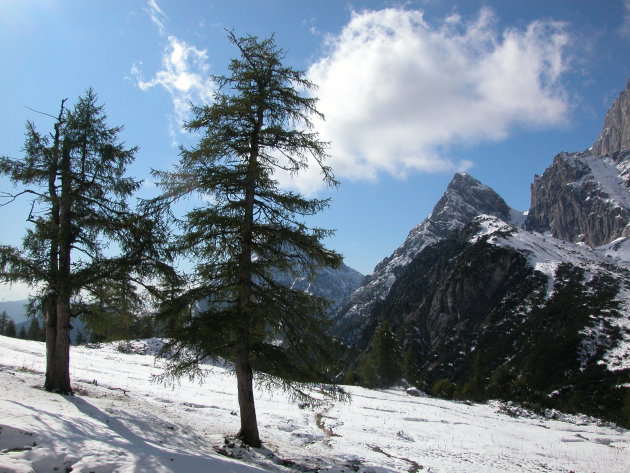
(34, 331)
(4, 321)
(75, 176)
(80, 339)
(248, 228)
(10, 331)
(381, 367)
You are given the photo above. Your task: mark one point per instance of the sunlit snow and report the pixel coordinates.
(119, 421)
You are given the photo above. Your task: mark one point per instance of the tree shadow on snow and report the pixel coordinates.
(148, 456)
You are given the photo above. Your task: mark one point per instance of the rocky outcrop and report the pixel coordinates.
(585, 197)
(582, 199)
(465, 198)
(616, 133)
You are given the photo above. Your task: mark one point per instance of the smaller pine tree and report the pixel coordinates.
(80, 339)
(10, 330)
(34, 330)
(410, 366)
(381, 367)
(4, 321)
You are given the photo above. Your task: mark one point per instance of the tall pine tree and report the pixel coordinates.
(248, 228)
(76, 178)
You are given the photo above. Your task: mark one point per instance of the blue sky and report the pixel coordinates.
(413, 91)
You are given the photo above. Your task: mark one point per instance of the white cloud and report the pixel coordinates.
(158, 17)
(397, 91)
(184, 75)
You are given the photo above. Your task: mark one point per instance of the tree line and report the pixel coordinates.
(8, 328)
(242, 229)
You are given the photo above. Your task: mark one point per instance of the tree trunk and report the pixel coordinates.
(61, 380)
(50, 314)
(245, 382)
(61, 352)
(244, 373)
(57, 377)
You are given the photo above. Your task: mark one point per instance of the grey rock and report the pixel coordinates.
(616, 133)
(582, 199)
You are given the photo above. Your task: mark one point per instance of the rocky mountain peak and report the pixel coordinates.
(615, 135)
(464, 199)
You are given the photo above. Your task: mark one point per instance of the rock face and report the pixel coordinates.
(580, 198)
(464, 199)
(616, 133)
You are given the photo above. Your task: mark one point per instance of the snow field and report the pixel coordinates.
(120, 421)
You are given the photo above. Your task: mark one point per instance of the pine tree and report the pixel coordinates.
(4, 321)
(10, 331)
(113, 315)
(249, 228)
(381, 367)
(80, 339)
(76, 177)
(34, 331)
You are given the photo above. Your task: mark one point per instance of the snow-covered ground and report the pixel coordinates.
(120, 421)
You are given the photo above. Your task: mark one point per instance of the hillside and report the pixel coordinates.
(120, 421)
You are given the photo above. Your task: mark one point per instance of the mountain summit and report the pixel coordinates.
(465, 198)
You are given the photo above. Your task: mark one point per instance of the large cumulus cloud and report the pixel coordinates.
(397, 91)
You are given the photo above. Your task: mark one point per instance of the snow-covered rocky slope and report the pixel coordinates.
(120, 421)
(493, 310)
(464, 199)
(546, 254)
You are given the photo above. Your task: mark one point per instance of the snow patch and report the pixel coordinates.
(606, 174)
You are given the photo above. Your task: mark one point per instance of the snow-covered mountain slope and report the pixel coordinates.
(546, 254)
(495, 310)
(465, 198)
(121, 422)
